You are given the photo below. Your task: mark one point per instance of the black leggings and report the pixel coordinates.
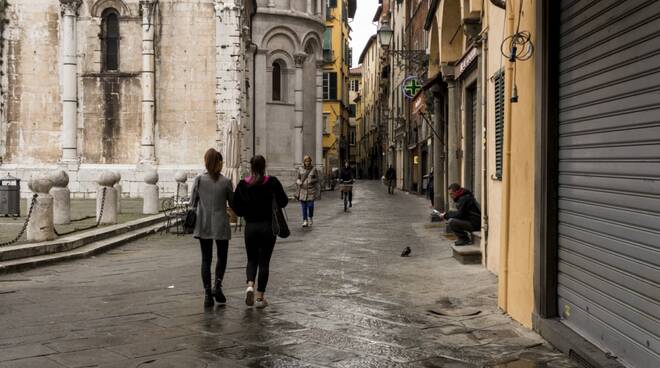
(259, 244)
(207, 260)
(350, 196)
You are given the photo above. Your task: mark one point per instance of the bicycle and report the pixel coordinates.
(346, 188)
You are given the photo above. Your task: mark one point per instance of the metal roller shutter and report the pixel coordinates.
(609, 176)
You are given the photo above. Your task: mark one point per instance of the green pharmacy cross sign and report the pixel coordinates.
(411, 87)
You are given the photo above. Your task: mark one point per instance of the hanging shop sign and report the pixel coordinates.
(466, 61)
(411, 86)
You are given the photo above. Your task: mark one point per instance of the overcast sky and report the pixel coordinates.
(363, 27)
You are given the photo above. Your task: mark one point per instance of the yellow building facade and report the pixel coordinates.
(337, 57)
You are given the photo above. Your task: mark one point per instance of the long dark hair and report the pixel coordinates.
(212, 161)
(258, 168)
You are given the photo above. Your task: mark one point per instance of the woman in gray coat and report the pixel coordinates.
(308, 178)
(212, 193)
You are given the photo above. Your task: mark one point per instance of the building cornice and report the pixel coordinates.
(291, 14)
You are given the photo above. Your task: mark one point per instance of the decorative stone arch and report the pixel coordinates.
(286, 65)
(96, 10)
(450, 31)
(312, 45)
(283, 32)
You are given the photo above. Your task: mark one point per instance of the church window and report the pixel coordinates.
(277, 81)
(110, 40)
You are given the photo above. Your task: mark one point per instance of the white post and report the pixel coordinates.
(150, 193)
(298, 127)
(148, 78)
(40, 227)
(69, 80)
(61, 198)
(106, 198)
(319, 116)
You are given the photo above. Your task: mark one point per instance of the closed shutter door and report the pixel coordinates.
(609, 176)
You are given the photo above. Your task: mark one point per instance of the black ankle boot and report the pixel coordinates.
(208, 299)
(218, 294)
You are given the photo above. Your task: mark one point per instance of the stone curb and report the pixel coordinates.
(88, 250)
(73, 241)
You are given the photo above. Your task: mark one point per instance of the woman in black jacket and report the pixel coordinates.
(253, 200)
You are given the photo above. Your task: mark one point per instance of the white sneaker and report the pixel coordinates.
(249, 296)
(310, 222)
(305, 223)
(261, 303)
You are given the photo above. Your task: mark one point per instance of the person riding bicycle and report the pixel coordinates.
(346, 177)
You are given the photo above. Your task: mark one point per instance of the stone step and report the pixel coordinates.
(467, 254)
(88, 250)
(76, 240)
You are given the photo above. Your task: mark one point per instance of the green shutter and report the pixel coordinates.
(333, 86)
(499, 123)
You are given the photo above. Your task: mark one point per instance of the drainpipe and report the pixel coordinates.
(506, 195)
(485, 156)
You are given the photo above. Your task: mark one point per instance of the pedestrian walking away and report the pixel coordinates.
(467, 217)
(390, 176)
(307, 181)
(212, 194)
(429, 188)
(253, 200)
(346, 176)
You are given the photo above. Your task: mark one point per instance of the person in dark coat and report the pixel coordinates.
(390, 176)
(212, 195)
(253, 200)
(466, 218)
(346, 176)
(429, 189)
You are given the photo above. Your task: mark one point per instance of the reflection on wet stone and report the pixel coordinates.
(341, 296)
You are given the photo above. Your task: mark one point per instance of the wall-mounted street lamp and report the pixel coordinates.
(415, 60)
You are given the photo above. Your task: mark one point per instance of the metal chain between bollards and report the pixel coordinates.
(98, 221)
(25, 225)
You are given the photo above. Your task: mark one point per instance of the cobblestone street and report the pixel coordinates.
(340, 294)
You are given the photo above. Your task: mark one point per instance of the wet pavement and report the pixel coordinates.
(340, 294)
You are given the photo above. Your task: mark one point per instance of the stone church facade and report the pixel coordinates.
(129, 85)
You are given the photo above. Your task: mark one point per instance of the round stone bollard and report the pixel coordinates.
(181, 186)
(150, 193)
(41, 227)
(61, 198)
(106, 199)
(119, 189)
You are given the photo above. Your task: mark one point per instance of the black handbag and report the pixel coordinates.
(280, 227)
(191, 214)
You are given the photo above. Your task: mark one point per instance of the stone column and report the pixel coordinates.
(69, 80)
(298, 127)
(150, 193)
(309, 6)
(41, 228)
(453, 136)
(181, 186)
(229, 69)
(148, 78)
(439, 189)
(106, 198)
(319, 117)
(61, 198)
